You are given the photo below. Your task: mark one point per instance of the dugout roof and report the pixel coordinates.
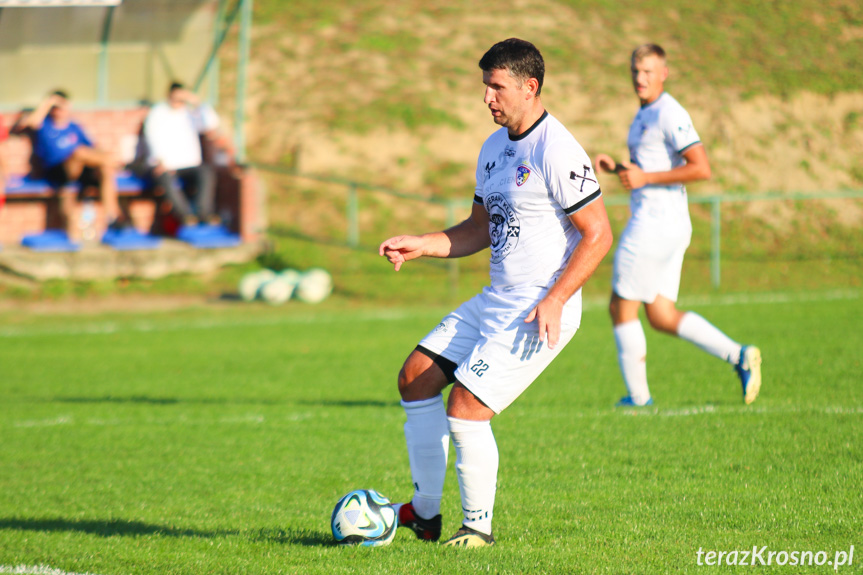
(115, 53)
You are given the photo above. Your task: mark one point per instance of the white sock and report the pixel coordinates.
(427, 437)
(695, 329)
(476, 468)
(632, 358)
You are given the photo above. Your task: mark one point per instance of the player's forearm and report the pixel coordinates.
(697, 167)
(596, 240)
(680, 175)
(582, 264)
(464, 239)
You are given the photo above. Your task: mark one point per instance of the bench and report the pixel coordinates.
(32, 206)
(25, 186)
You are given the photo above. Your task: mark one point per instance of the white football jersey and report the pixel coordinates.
(530, 186)
(659, 135)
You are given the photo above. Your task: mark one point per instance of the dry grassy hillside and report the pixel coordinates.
(389, 93)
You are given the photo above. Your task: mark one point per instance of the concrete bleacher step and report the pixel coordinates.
(98, 261)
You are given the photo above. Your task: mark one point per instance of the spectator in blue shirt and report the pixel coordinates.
(67, 155)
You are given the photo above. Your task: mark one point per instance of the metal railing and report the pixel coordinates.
(352, 233)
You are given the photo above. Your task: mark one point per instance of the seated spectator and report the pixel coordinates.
(67, 155)
(172, 134)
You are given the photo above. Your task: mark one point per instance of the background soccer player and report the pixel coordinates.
(538, 196)
(665, 153)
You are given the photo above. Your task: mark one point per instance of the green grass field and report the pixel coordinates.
(218, 441)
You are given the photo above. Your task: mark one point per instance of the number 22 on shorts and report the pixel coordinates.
(479, 367)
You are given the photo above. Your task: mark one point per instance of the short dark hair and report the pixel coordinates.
(646, 50)
(175, 86)
(519, 57)
(62, 93)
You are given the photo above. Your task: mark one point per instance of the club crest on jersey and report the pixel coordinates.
(503, 227)
(443, 326)
(522, 173)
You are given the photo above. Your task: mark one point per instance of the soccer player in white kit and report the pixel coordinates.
(665, 153)
(538, 206)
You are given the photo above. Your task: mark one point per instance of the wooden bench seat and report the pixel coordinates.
(18, 186)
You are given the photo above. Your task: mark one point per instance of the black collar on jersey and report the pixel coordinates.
(527, 132)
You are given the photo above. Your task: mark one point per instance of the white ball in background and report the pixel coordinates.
(315, 286)
(277, 291)
(291, 276)
(251, 283)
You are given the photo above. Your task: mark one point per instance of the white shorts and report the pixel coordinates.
(649, 259)
(497, 354)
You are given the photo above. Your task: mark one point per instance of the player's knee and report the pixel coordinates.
(408, 375)
(420, 378)
(664, 322)
(404, 382)
(657, 324)
(619, 312)
(614, 309)
(463, 404)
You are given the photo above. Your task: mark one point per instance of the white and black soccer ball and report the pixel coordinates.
(315, 286)
(364, 517)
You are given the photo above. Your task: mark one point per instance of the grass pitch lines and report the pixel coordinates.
(110, 328)
(711, 410)
(180, 420)
(262, 420)
(36, 570)
(748, 298)
(384, 315)
(772, 297)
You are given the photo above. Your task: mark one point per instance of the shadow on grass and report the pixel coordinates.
(106, 528)
(302, 537)
(350, 403)
(123, 528)
(146, 400)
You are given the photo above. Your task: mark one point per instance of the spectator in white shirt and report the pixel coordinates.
(172, 133)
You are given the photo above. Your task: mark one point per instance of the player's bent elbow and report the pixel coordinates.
(606, 242)
(600, 239)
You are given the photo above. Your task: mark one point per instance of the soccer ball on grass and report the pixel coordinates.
(276, 291)
(251, 283)
(364, 517)
(314, 286)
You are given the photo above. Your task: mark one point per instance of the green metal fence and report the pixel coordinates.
(454, 206)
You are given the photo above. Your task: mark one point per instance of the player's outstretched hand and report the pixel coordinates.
(401, 249)
(547, 315)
